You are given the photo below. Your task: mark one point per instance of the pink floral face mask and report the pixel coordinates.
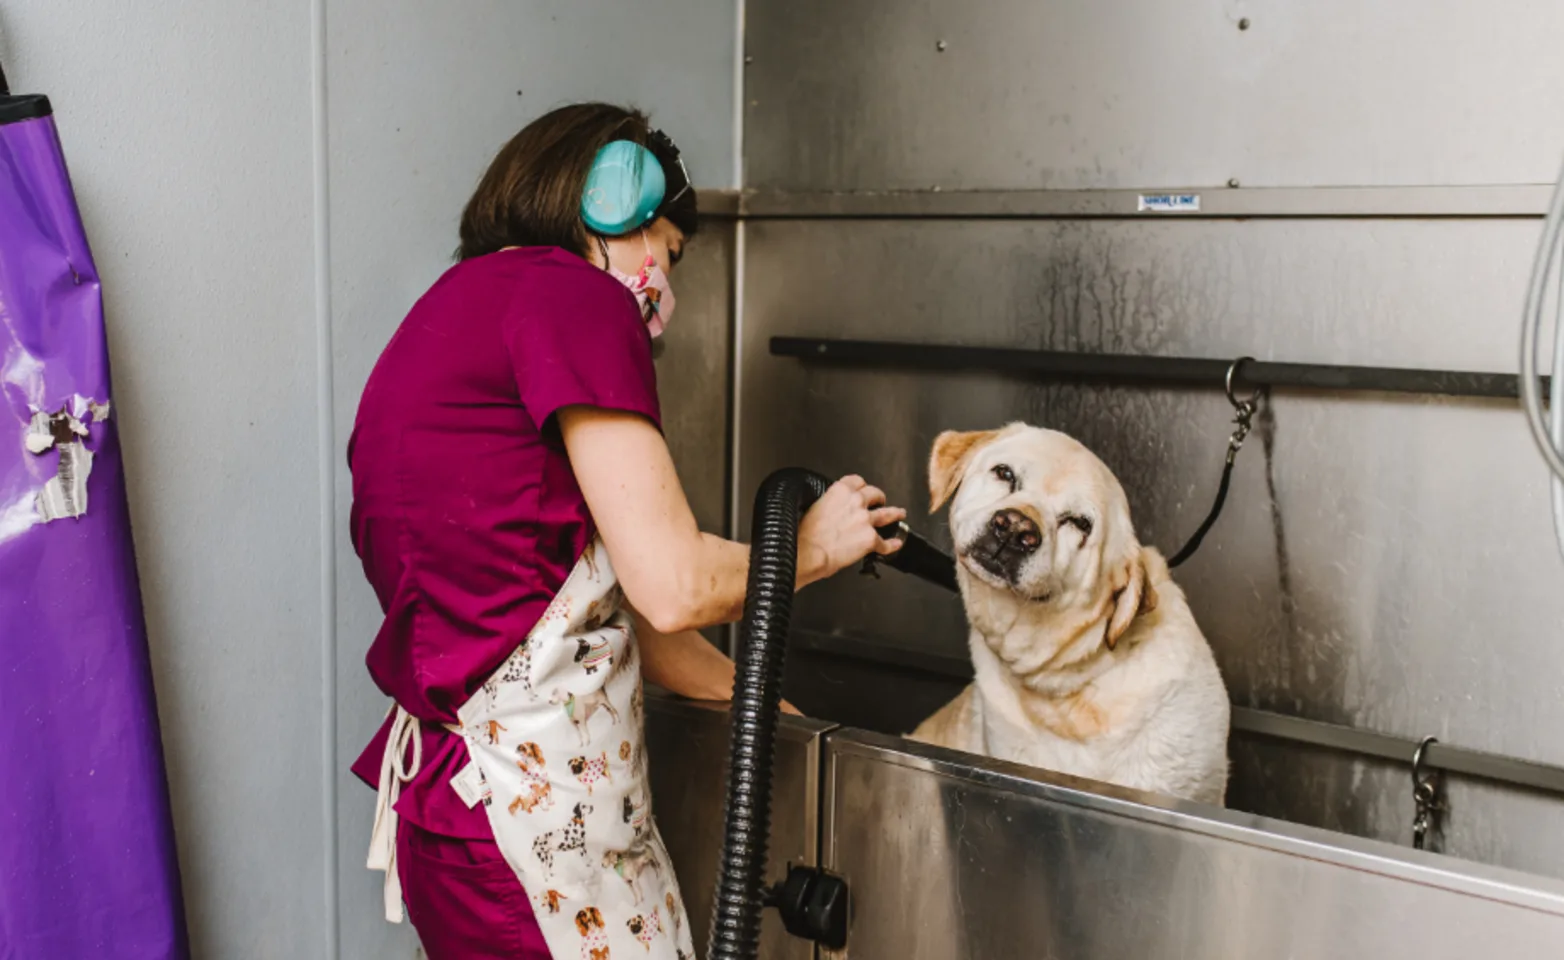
(652, 290)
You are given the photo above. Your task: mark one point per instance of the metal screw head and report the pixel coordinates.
(749, 59)
(940, 46)
(1232, 183)
(1243, 24)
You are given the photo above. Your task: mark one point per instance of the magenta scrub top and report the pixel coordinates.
(466, 515)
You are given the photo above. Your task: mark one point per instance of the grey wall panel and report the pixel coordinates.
(1005, 865)
(1059, 95)
(1385, 563)
(186, 126)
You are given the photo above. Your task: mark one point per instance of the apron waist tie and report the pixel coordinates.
(405, 729)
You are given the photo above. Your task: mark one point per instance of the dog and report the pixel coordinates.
(1087, 659)
(594, 936)
(594, 654)
(550, 901)
(635, 812)
(645, 928)
(630, 864)
(571, 838)
(517, 669)
(539, 792)
(579, 709)
(589, 770)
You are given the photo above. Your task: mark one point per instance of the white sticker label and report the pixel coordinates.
(1169, 202)
(469, 785)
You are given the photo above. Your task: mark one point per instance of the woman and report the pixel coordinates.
(516, 509)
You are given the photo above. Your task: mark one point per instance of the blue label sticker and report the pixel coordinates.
(1169, 202)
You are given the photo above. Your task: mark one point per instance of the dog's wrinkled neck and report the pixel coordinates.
(1044, 648)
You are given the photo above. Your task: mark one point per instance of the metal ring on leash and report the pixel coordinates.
(1417, 763)
(1425, 796)
(1232, 374)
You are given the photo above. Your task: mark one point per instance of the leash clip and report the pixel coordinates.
(1425, 795)
(1244, 410)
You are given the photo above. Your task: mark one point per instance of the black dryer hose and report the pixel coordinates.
(757, 696)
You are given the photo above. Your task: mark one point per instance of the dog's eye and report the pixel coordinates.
(1007, 475)
(1083, 524)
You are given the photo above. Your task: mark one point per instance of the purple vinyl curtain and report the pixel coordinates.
(87, 866)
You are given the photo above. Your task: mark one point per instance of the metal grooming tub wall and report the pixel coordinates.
(952, 856)
(687, 749)
(990, 175)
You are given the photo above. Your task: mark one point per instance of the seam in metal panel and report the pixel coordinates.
(736, 312)
(1460, 202)
(736, 408)
(325, 427)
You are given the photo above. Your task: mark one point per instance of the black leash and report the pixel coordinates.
(1243, 420)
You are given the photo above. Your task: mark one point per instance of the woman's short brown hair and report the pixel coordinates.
(531, 194)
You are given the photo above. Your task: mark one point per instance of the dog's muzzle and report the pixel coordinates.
(1008, 541)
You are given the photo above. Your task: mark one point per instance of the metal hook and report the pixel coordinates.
(1417, 759)
(1425, 793)
(1241, 406)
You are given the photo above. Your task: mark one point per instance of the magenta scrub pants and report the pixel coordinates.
(464, 900)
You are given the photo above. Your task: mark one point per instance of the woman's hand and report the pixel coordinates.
(839, 530)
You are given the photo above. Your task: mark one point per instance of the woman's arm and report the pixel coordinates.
(685, 664)
(678, 577)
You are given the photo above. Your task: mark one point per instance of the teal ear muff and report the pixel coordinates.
(623, 189)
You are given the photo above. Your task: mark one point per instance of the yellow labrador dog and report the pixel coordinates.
(1088, 661)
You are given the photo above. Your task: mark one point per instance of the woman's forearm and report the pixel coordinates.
(685, 664)
(678, 577)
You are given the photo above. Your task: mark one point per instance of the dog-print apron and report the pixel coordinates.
(558, 761)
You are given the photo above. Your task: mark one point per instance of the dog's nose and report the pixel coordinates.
(1015, 531)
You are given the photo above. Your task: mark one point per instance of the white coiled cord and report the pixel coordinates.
(1546, 428)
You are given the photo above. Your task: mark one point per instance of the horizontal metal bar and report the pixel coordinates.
(717, 204)
(1440, 756)
(1163, 371)
(1471, 763)
(1476, 201)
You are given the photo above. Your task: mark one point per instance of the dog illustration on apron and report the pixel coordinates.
(558, 761)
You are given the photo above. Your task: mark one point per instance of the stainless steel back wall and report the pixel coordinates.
(1384, 563)
(692, 372)
(1019, 94)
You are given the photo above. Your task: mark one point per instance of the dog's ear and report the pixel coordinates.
(582, 918)
(1133, 595)
(953, 450)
